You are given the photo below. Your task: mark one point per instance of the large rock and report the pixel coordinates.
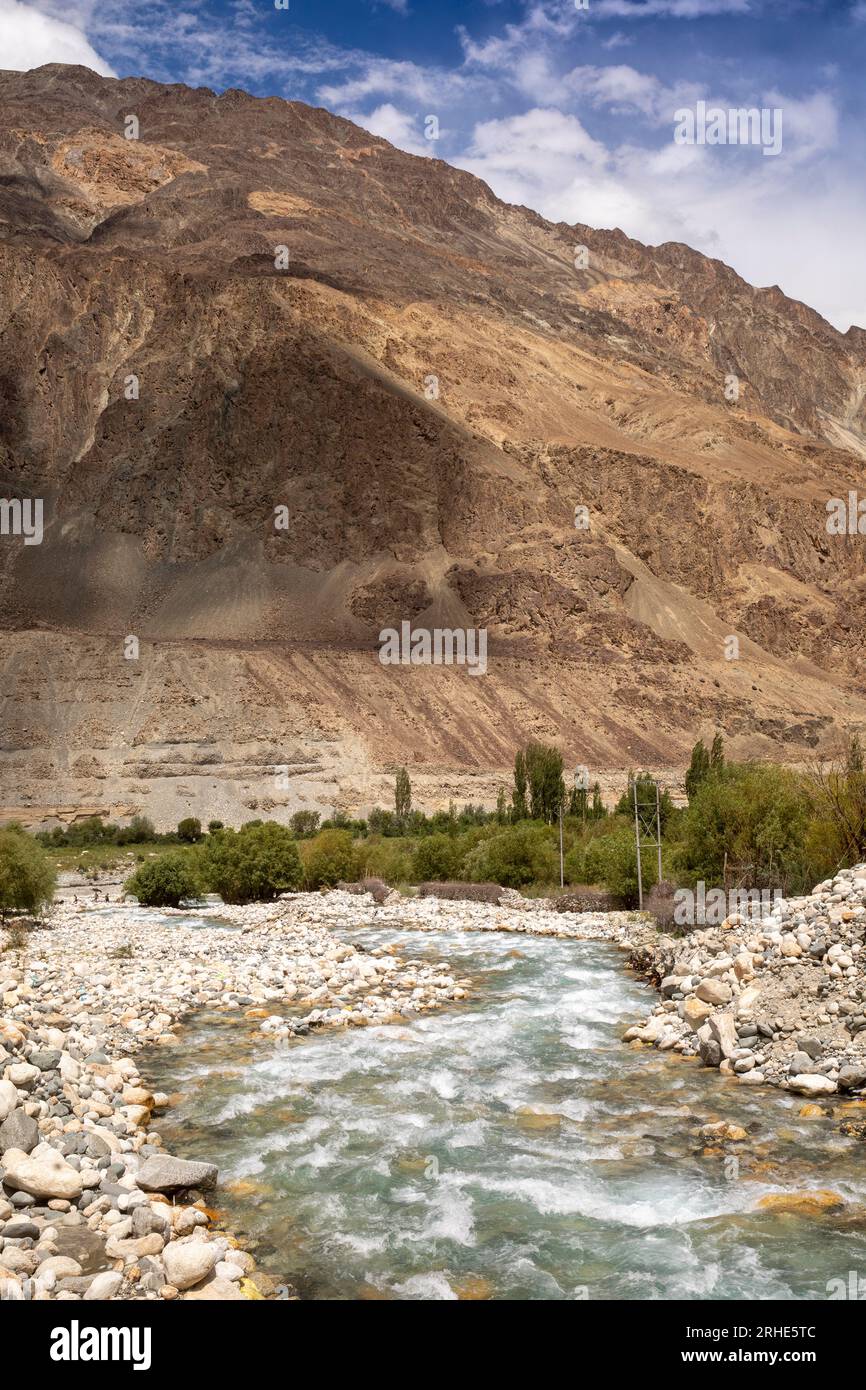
(803, 1203)
(104, 1286)
(852, 1078)
(217, 1291)
(711, 1053)
(714, 992)
(812, 1085)
(18, 1131)
(162, 1173)
(8, 1099)
(187, 1263)
(723, 1030)
(44, 1175)
(23, 1075)
(695, 1012)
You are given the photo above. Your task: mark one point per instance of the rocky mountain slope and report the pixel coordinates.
(429, 382)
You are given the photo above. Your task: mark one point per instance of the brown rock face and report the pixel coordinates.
(428, 386)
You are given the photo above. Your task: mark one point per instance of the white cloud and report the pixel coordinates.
(770, 219)
(668, 9)
(29, 38)
(390, 77)
(396, 126)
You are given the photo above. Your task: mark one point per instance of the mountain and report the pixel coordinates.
(430, 382)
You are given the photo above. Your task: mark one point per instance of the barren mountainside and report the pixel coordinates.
(166, 385)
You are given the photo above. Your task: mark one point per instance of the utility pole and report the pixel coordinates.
(647, 832)
(637, 848)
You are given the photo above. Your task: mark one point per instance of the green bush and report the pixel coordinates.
(437, 857)
(164, 881)
(27, 877)
(139, 830)
(189, 830)
(253, 864)
(330, 858)
(388, 859)
(304, 824)
(513, 858)
(612, 860)
(755, 813)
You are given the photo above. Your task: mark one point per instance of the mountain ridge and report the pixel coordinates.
(309, 388)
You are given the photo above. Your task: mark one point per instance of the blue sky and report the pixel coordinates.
(569, 110)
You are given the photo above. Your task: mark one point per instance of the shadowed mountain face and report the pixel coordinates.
(255, 305)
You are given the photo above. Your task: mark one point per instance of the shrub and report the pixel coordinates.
(27, 877)
(389, 859)
(164, 881)
(140, 828)
(513, 858)
(331, 856)
(755, 814)
(255, 863)
(189, 830)
(304, 824)
(436, 857)
(214, 825)
(612, 860)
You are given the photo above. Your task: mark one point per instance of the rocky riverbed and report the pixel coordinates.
(778, 999)
(90, 1205)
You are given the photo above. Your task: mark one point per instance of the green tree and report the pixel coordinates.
(546, 784)
(837, 830)
(598, 811)
(189, 830)
(518, 856)
(646, 795)
(612, 860)
(755, 814)
(436, 857)
(502, 807)
(27, 877)
(164, 881)
(519, 804)
(402, 794)
(717, 753)
(330, 858)
(697, 769)
(139, 830)
(304, 824)
(255, 863)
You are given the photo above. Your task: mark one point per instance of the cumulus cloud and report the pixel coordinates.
(761, 216)
(29, 38)
(396, 126)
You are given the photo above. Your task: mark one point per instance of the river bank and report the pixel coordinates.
(513, 1148)
(778, 999)
(91, 1207)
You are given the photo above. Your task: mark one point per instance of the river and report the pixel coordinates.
(512, 1148)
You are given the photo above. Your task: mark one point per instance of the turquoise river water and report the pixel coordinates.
(511, 1148)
